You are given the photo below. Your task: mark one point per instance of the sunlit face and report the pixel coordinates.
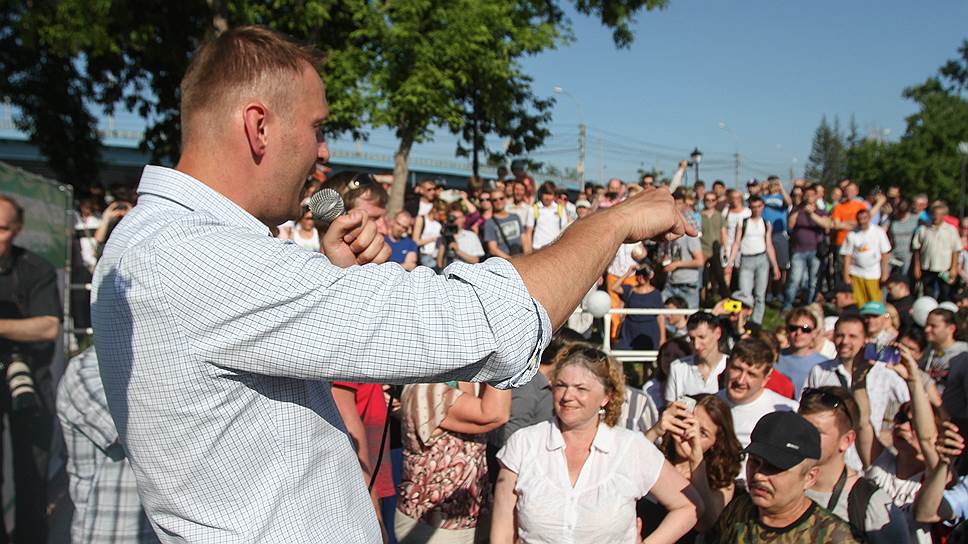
(547, 199)
(707, 432)
(937, 331)
(851, 190)
(833, 441)
(306, 221)
(300, 145)
(802, 333)
(849, 339)
(735, 200)
(485, 201)
(903, 433)
(8, 228)
(704, 340)
(913, 346)
(709, 201)
(401, 226)
(745, 381)
(498, 200)
(774, 490)
(578, 396)
(582, 212)
(876, 323)
(938, 214)
(757, 208)
(863, 219)
(519, 192)
(897, 289)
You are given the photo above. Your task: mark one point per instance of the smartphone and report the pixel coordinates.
(891, 355)
(689, 402)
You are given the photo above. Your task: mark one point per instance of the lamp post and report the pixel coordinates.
(696, 157)
(580, 169)
(963, 149)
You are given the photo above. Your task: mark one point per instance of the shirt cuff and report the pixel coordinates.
(519, 323)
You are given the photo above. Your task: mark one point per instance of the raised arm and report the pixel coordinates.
(923, 421)
(683, 504)
(477, 415)
(559, 275)
(868, 446)
(929, 504)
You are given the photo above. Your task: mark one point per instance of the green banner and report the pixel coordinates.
(47, 208)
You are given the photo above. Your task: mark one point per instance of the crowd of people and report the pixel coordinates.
(844, 423)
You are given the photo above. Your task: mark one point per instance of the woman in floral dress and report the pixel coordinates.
(444, 496)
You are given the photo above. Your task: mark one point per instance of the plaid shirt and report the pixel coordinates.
(107, 508)
(217, 343)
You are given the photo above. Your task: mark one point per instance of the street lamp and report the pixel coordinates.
(580, 169)
(696, 157)
(963, 149)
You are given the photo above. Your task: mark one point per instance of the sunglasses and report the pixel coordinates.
(360, 180)
(830, 401)
(805, 329)
(497, 199)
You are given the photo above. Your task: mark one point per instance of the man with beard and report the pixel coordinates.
(781, 467)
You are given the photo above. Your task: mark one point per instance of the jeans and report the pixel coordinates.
(936, 287)
(804, 266)
(688, 291)
(754, 277)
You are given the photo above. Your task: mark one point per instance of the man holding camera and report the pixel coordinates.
(30, 313)
(457, 243)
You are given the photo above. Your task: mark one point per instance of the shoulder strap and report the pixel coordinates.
(837, 491)
(841, 379)
(858, 500)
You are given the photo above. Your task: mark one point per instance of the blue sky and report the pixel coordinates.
(768, 69)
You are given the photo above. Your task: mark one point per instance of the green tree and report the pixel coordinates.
(827, 161)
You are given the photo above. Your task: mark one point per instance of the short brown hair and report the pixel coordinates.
(754, 352)
(802, 312)
(846, 411)
(603, 367)
(239, 61)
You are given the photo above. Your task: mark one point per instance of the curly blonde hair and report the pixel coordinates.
(602, 366)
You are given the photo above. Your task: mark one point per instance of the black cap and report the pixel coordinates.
(784, 439)
(843, 288)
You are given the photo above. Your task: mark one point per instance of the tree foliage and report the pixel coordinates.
(411, 65)
(926, 158)
(827, 160)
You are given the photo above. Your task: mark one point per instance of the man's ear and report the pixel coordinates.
(254, 117)
(811, 477)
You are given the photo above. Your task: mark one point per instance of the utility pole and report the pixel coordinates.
(963, 149)
(581, 158)
(601, 162)
(736, 157)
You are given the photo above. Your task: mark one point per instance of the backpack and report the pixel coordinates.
(858, 500)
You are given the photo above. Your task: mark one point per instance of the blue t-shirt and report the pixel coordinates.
(399, 250)
(797, 368)
(776, 212)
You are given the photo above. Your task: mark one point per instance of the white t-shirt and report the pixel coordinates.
(746, 416)
(547, 225)
(469, 243)
(311, 242)
(623, 260)
(424, 207)
(686, 379)
(733, 220)
(883, 471)
(865, 248)
(431, 230)
(622, 467)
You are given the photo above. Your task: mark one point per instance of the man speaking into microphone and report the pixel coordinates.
(221, 399)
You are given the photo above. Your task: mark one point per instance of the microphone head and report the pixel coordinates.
(326, 205)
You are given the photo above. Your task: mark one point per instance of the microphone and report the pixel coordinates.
(326, 206)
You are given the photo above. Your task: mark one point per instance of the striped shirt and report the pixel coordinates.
(217, 343)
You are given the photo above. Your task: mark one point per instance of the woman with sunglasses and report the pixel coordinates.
(914, 433)
(577, 477)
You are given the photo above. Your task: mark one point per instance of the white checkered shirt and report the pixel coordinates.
(107, 509)
(217, 343)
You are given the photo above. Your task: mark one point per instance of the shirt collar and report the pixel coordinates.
(191, 193)
(604, 437)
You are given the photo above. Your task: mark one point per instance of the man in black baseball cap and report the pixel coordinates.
(783, 453)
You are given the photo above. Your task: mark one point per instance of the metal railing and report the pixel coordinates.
(635, 356)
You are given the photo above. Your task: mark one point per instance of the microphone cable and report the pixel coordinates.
(395, 392)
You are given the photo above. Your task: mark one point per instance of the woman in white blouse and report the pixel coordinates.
(577, 478)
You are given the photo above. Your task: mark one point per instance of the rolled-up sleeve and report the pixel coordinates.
(272, 308)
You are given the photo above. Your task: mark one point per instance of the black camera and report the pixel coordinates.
(450, 229)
